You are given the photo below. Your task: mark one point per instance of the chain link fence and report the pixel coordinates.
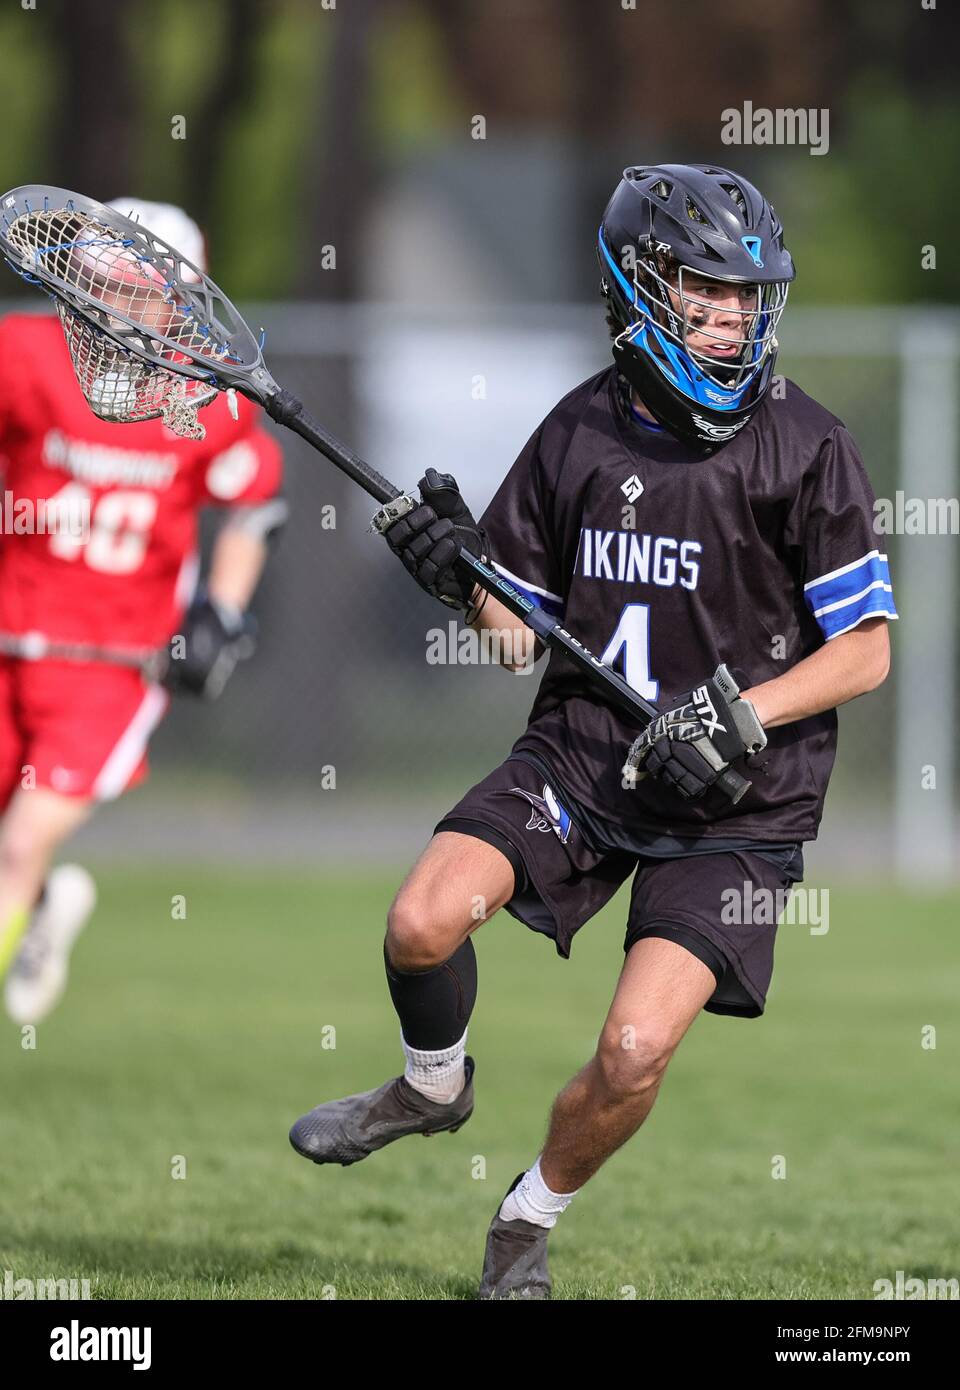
(340, 740)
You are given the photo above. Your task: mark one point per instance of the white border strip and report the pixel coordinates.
(845, 569)
(875, 613)
(129, 748)
(530, 588)
(845, 602)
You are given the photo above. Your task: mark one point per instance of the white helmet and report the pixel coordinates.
(169, 224)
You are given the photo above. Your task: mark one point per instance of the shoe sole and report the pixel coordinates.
(448, 1129)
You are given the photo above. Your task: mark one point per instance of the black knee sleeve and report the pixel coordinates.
(434, 1006)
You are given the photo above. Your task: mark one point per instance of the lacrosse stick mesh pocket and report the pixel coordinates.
(111, 280)
(123, 388)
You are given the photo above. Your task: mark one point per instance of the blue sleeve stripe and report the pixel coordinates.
(876, 603)
(847, 582)
(550, 603)
(878, 584)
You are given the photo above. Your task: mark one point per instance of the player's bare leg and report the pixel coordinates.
(457, 883)
(34, 824)
(40, 934)
(661, 990)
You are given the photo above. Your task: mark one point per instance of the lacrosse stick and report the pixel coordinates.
(152, 336)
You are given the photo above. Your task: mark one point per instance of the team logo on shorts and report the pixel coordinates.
(546, 813)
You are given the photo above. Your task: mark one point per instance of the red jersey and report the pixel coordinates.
(127, 579)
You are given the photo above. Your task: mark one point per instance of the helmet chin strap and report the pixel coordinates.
(668, 419)
(724, 372)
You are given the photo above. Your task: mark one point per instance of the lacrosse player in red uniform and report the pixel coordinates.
(98, 571)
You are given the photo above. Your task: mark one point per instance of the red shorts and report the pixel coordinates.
(80, 729)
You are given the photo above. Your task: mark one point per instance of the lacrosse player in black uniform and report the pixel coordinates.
(706, 528)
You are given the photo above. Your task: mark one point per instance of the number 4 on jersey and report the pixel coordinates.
(632, 637)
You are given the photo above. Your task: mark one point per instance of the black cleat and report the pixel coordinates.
(344, 1131)
(515, 1260)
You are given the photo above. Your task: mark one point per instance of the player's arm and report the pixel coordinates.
(846, 587)
(692, 744)
(218, 631)
(516, 645)
(240, 552)
(843, 668)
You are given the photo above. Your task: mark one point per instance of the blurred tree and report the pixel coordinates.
(337, 178)
(232, 65)
(92, 136)
(296, 114)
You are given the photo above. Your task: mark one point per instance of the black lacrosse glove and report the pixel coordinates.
(429, 538)
(691, 746)
(203, 655)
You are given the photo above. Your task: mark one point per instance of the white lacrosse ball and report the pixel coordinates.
(111, 393)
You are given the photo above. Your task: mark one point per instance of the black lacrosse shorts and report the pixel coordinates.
(561, 882)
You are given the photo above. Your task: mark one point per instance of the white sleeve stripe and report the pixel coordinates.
(530, 588)
(845, 602)
(845, 569)
(872, 613)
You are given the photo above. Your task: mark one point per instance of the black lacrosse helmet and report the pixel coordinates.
(664, 224)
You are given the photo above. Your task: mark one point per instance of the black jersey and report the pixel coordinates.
(665, 563)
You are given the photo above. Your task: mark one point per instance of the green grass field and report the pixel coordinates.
(204, 1038)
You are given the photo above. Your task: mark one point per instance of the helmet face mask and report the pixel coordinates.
(700, 365)
(682, 313)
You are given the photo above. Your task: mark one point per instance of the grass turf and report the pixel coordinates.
(204, 1038)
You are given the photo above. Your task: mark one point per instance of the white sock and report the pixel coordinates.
(439, 1075)
(532, 1200)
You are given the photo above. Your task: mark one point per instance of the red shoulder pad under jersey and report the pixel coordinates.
(242, 463)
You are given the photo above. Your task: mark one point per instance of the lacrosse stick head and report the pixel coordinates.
(149, 333)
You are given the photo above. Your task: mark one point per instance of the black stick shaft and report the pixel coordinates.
(553, 634)
(288, 411)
